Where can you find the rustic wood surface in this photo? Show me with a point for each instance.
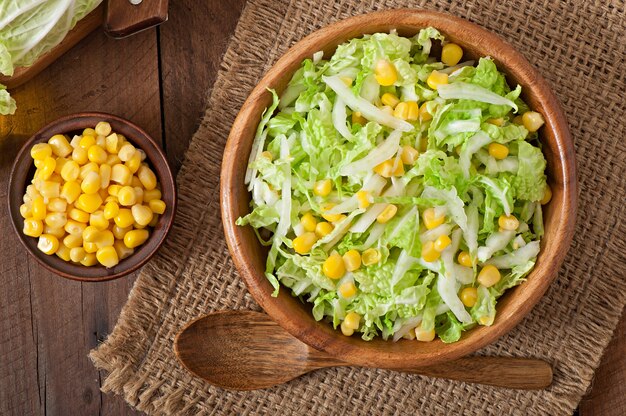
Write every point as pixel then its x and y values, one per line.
pixel 158 79
pixel 246 350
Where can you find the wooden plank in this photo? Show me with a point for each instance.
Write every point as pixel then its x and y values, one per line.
pixel 52 322
pixel 608 392
pixel 193 41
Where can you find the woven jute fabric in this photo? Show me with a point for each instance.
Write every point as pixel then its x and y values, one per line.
pixel 579 48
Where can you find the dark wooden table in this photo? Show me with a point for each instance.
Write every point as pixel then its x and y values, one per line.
pixel 159 79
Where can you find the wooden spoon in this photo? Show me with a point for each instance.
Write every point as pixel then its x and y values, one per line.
pixel 246 350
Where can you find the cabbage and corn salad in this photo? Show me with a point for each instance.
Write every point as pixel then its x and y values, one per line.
pixel 398 192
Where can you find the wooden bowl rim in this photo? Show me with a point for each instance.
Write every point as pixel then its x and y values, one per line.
pixel 347 348
pixel 159 165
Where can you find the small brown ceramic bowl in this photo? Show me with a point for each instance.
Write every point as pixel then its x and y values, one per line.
pixel 22 174
pixel 294 315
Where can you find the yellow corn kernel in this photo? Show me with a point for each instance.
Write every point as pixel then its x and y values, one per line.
pixel 429 253
pixel 489 275
pixel 33 227
pixel 134 163
pixel 352 260
pixel 352 320
pixel 124 218
pixel 345 330
pixel 386 168
pixel 138 194
pixel 142 214
pixel 98 220
pixel 47 169
pixel 267 155
pixel 346 80
pixel 498 151
pixel 103 128
pixel 48 244
pixel 147 178
pixel 468 296
pixel 41 151
pixel 451 54
pixel 304 242
pixel 436 78
pixel 401 111
pixel 70 171
pixel 388 213
pixel 364 199
pixel 89 202
pixel 442 242
pixel 158 207
pixel 409 155
pixel 465 259
pixel 79 155
pixel 97 154
pixel 113 160
pixel 38 164
pixel 113 190
pixel 385 73
pixel 424 115
pixel 508 222
pixel 89 260
pixel 532 121
pixel 105 239
pixel 126 196
pixel 409 335
pixel 333 267
pixel 55 231
pixel 59 163
pixel 331 217
pixel 323 228
pixel 55 177
pixel 120 174
pixel 496 121
pixel 77 254
pixel 63 253
pixel 88 167
pixel 79 215
pixel 87 141
pixel 32 191
pixel 26 211
pixel 119 232
pixel 126 152
pixel 357 118
pixel 135 238
pixel 90 247
pixel 308 221
pixel 322 187
pixel 89 132
pixel 414 111
pixel 389 99
pixel 121 249
pixel 547 195
pixel 432 219
pixel 105 175
pixel 73 240
pixel 60 146
pixel 75 228
pixel 370 256
pixel 70 191
pixel 387 110
pixel 90 234
pixel 111 143
pixel 91 183
pixel 135 182
pixel 39 209
pixel 155 221
pixel 424 335
pixel 107 256
pixel 347 289
pixel 111 209
pixel 56 219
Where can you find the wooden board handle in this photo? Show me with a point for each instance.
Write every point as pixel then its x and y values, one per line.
pixel 124 18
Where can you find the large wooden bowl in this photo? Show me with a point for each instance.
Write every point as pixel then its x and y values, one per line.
pixel 294 315
pixel 22 174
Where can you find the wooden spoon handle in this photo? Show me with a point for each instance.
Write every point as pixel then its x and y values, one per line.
pixel 124 18
pixel 512 373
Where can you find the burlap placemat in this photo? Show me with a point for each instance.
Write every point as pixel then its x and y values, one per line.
pixel 578 46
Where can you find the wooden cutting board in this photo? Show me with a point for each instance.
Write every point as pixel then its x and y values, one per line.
pixel 119 18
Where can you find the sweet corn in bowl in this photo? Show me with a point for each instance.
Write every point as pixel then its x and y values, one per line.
pixel 91 196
